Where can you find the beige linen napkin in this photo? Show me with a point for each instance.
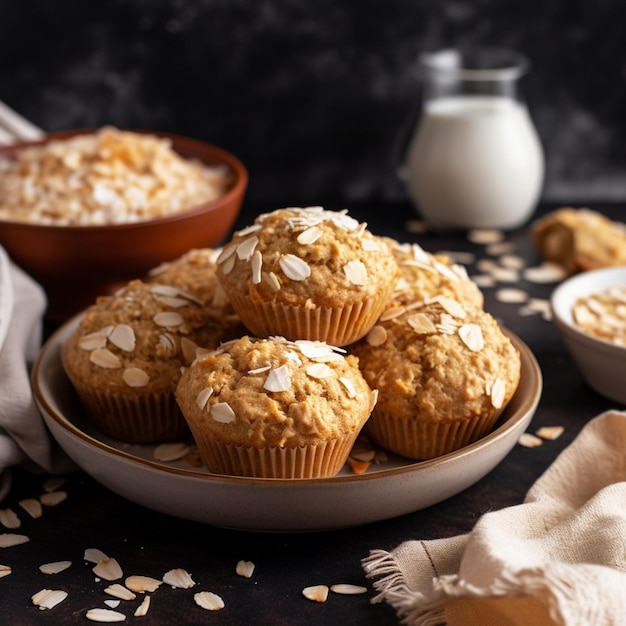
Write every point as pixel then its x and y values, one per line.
pixel 24 438
pixel 558 558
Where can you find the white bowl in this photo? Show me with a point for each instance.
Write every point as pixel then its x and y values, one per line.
pixel 601 363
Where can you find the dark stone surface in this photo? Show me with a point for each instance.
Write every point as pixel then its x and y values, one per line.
pixel 318 98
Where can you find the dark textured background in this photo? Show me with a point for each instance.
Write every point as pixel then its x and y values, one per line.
pixel 317 97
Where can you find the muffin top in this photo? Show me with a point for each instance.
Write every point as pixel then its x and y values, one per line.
pixel 140 337
pixel 307 257
pixel 425 275
pixel 195 272
pixel 274 392
pixel 439 361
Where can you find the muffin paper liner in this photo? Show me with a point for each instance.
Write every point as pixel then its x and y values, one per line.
pixel 336 326
pixel 149 418
pixel 426 440
pixel 324 459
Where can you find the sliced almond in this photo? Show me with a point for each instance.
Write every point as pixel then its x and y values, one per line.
pixel 208 600
pixel 109 569
pixel 5 570
pixel 203 397
pixel 483 236
pixel 8 540
pixel 92 341
pixel 511 296
pixel 142 609
pixel 178 578
pixel 9 518
pixel 53 498
pixel 246 248
pixel 421 324
pixel 135 377
pixel 105 616
pixel 93 555
pixel 48 598
pixel 376 336
pixel 316 593
pixel 348 386
pixel 256 264
pixel 119 591
pixel 498 391
pixel 550 432
pixel 244 568
pixel 294 267
pixel 32 507
pixel 171 451
pixel 168 319
pixel 310 235
pixel 279 379
pixel 223 413
pixel 123 336
pixel 55 567
pixel 142 584
pixel 451 306
pixel 472 336
pixel 345 589
pixel 529 440
pixel 356 272
pixel 319 370
pixel 104 358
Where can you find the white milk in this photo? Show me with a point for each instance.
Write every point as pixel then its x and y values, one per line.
pixel 475 162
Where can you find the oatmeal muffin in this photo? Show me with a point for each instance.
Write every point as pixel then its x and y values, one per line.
pixel 124 359
pixel 308 273
pixel 444 373
pixel 425 275
pixel 273 408
pixel 195 273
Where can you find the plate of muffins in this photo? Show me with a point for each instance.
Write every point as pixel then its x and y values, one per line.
pixel 307 375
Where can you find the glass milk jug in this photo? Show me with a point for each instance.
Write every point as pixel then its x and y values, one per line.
pixel 475 159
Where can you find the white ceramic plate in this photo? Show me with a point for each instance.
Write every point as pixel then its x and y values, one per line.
pixel 387 490
pixel 6 295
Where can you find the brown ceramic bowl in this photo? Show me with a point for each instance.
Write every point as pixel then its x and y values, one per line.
pixel 75 264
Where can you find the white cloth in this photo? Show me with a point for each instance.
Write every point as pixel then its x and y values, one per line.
pixel 557 559
pixel 24 438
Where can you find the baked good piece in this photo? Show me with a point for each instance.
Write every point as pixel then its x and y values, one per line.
pixel 425 275
pixel 444 373
pixel 274 408
pixel 307 273
pixel 580 239
pixel 195 273
pixel 125 356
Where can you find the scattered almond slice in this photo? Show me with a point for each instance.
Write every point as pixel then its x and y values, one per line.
pixel 245 569
pixel 346 589
pixel 294 267
pixel 529 440
pixel 142 584
pixel 356 272
pixel 550 432
pixel 32 507
pixel 5 570
pixel 171 451
pixel 53 483
pixel 471 335
pixel 498 391
pixel 105 615
pixel 178 578
pixel 112 604
pixel 316 593
pixel 93 555
pixel 53 498
pixel 119 591
pixel 168 319
pixel 511 296
pixel 142 609
pixel 484 236
pixel 208 600
pixel 223 413
pixel 55 567
pixel 8 540
pixel 48 598
pixel 9 518
pixel 109 569
pixel 135 377
pixel 547 272
pixel 279 379
pixel 103 357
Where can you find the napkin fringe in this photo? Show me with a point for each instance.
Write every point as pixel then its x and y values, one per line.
pixel 411 606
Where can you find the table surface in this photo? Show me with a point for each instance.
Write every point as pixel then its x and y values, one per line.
pixel 150 543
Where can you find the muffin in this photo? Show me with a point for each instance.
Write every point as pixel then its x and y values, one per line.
pixel 125 356
pixel 195 273
pixel 425 275
pixel 274 408
pixel 444 373
pixel 307 273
